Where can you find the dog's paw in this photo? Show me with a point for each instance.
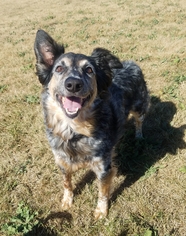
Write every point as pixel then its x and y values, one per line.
pixel 101 210
pixel 67 200
pixel 100 213
pixel 66 204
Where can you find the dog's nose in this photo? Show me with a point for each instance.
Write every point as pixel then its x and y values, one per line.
pixel 73 84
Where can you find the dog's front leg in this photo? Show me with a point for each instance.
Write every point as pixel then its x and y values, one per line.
pixel 104 185
pixel 67 184
pixel 68 192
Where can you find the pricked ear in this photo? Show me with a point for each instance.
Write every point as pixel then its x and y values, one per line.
pixel 105 62
pixel 46 51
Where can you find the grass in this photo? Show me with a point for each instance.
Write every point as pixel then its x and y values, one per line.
pixel 23 222
pixel 148 196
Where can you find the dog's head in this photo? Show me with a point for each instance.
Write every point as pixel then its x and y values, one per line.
pixel 73 80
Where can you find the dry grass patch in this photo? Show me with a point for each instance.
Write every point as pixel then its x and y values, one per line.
pixel 148 195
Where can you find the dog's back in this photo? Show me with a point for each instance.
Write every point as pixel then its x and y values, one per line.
pixel 131 81
pixel 129 94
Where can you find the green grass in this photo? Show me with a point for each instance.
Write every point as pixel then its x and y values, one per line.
pixel 148 195
pixel 22 223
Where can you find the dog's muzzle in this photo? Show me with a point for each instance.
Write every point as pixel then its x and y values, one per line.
pixel 73 85
pixel 73 103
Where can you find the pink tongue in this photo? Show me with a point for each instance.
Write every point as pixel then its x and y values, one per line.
pixel 72 104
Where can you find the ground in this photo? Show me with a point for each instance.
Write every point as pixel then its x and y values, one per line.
pixel 149 192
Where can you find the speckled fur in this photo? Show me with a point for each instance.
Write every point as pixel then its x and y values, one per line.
pixel 114 90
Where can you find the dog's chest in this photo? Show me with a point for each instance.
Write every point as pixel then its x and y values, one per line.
pixel 77 153
pixel 78 148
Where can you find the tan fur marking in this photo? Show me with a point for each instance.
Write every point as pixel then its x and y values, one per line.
pixel 67 61
pixel 70 167
pixel 52 85
pixel 53 82
pixel 68 193
pixel 63 164
pixel 104 194
pixel 84 127
pixel 67 184
pixel 67 181
pixel 138 123
pixel 105 184
pixel 57 120
pixel 81 63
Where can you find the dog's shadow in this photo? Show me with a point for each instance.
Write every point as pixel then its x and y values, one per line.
pixel 42 229
pixel 136 156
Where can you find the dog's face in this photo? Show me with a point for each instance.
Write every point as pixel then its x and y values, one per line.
pixel 73 80
pixel 73 83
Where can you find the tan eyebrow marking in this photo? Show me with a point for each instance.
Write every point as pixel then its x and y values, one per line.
pixel 82 62
pixel 67 61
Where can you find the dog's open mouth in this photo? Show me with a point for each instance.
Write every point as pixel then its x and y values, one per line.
pixel 71 105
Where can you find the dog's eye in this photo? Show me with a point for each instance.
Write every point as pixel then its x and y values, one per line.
pixel 89 70
pixel 59 69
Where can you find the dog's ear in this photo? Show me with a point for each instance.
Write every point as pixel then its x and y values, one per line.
pixel 46 51
pixel 104 57
pixel 105 63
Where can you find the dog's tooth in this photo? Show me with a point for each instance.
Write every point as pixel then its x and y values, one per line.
pixel 77 110
pixel 71 112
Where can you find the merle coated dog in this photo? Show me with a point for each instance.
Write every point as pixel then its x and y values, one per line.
pixel 86 102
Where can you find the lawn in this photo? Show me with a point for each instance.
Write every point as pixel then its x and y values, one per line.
pixel 149 192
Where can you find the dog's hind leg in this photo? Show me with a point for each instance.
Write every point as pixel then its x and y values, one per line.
pixel 138 123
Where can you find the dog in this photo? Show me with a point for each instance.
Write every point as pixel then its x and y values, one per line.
pixel 86 102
